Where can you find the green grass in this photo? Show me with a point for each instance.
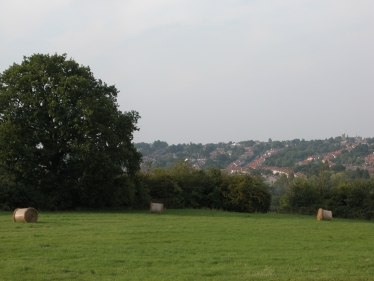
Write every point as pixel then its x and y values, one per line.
pixel 184 245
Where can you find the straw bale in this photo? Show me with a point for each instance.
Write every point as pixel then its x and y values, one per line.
pixel 25 215
pixel 324 215
pixel 157 207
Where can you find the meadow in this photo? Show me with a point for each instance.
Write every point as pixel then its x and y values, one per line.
pixel 184 245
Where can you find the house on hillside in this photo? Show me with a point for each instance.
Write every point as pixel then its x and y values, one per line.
pixel 369 160
pixel 257 162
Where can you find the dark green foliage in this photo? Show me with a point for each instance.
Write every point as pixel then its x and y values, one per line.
pixel 277 144
pixel 223 160
pixel 216 184
pixel 182 186
pixel 210 147
pixel 159 145
pixel 178 187
pixel 176 148
pixel 370 141
pixel 277 190
pixel 308 169
pixel 236 152
pixel 62 136
pixel 13 194
pixel 338 168
pixel 355 156
pixel 146 148
pixel 300 150
pixel 249 143
pixel 247 194
pixel 346 198
pixel 360 174
pixel 304 197
pixel 353 200
pixel 211 164
pixel 225 153
pixel 357 174
pixel 192 183
pixel 261 148
pixel 163 188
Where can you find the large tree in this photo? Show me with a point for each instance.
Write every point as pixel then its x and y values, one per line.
pixel 62 134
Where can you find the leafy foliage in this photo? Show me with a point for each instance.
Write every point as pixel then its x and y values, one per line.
pixel 62 136
pixel 346 197
pixel 182 186
pixel 355 156
pixel 247 194
pixel 300 150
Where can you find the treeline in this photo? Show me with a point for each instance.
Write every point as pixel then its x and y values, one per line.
pixel 299 150
pixel 181 186
pixel 146 148
pixel 355 156
pixel 185 187
pixel 312 169
pixel 167 155
pixel 289 153
pixel 347 195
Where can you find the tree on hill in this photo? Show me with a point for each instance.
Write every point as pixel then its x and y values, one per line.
pixel 249 143
pixel 62 135
pixel 159 145
pixel 144 148
pixel 355 156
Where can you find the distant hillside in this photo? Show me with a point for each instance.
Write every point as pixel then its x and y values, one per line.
pixel 292 156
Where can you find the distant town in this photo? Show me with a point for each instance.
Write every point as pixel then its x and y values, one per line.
pixel 270 159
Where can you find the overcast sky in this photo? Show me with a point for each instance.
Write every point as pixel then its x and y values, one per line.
pixel 210 71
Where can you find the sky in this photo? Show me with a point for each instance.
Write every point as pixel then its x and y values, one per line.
pixel 209 71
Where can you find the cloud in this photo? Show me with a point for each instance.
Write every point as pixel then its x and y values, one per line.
pixel 94 28
pixel 213 63
pixel 19 19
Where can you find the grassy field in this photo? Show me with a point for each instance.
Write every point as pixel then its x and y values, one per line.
pixel 184 245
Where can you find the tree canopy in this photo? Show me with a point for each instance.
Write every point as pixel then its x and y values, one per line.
pixel 62 135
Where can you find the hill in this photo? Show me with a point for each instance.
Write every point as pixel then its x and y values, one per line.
pixel 298 157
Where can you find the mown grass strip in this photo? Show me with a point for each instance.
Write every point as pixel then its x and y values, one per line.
pixel 184 245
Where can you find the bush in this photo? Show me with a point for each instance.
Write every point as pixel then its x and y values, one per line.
pixel 163 188
pixel 182 186
pixel 247 194
pixel 353 200
pixel 301 197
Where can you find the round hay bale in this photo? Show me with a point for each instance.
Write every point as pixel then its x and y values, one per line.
pixel 157 207
pixel 25 215
pixel 324 215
